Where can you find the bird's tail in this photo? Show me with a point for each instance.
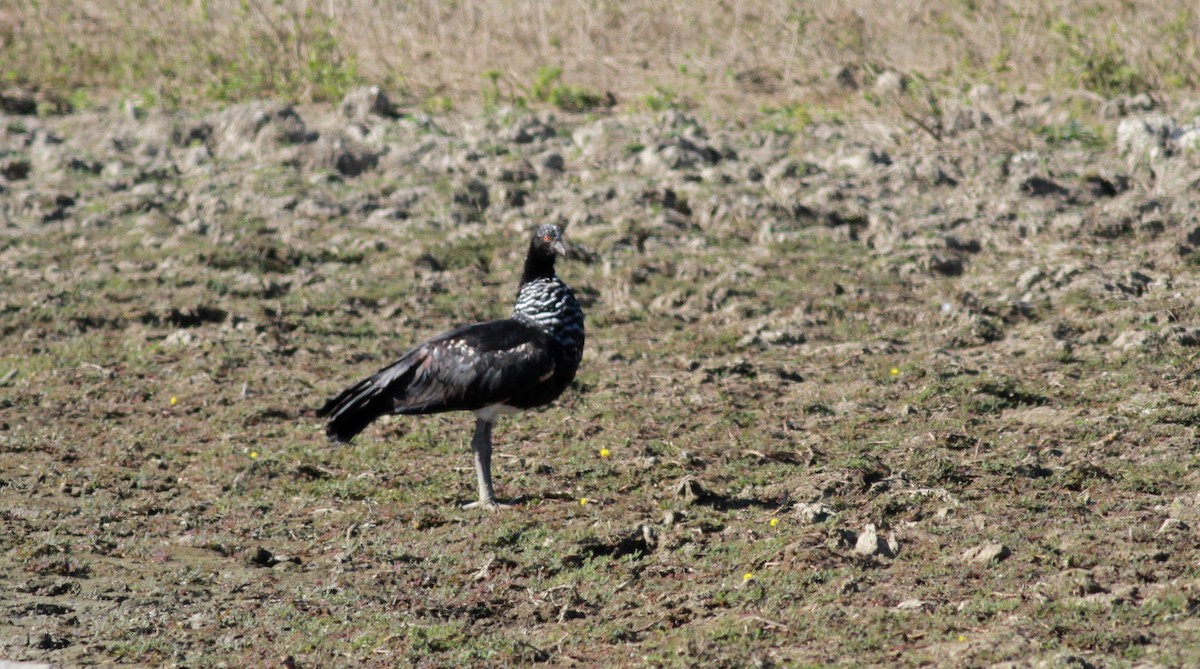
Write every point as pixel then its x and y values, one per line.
pixel 360 404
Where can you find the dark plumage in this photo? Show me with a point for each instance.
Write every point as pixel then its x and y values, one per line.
pixel 492 369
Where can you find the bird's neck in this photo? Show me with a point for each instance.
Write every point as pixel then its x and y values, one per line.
pixel 537 266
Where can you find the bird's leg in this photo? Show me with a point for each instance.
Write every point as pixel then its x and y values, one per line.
pixel 481 446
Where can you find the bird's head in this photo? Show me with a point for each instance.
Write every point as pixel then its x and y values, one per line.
pixel 547 245
pixel 548 239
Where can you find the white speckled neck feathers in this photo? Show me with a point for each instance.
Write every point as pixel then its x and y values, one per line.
pixel 549 305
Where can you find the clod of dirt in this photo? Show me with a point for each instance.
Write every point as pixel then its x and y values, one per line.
pixel 527 653
pixel 1148 136
pixel 671 517
pixel 532 129
pixel 186 318
pixel 263 558
pixel 255 128
pixel 991 553
pixel 739 367
pixel 474 195
pixel 690 490
pixel 761 336
pixel 49 641
pixel 946 265
pixel 639 541
pixel 1171 525
pixel 869 543
pixel 1041 187
pixel 815 512
pixel 338 152
pixel 15 169
pixel 551 162
pixel 18 101
pixel 361 104
pixel 1136 340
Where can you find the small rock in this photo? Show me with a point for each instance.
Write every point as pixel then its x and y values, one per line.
pixel 180 339
pixel 815 512
pixel 649 536
pixel 913 605
pixel 870 543
pixel 987 554
pixel 889 84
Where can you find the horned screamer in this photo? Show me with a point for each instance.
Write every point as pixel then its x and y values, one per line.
pixel 492 369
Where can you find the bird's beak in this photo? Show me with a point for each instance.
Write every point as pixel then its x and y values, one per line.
pixel 559 247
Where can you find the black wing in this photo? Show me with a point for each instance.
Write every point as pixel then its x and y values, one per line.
pixel 468 368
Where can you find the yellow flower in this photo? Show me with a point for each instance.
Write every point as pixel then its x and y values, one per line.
pixel 747 576
pixel 174 400
pixel 962 637
pixel 895 371
pixel 253 455
pixel 774 522
pixel 583 501
pixel 604 452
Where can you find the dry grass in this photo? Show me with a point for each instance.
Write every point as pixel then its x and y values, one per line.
pixel 724 54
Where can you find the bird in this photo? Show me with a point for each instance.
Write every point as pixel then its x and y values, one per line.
pixel 492 369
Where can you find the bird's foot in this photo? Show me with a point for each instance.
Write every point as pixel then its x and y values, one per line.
pixel 488 504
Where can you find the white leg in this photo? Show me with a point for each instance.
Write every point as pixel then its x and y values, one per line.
pixel 481 447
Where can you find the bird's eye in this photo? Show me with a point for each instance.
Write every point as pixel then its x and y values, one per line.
pixel 547 238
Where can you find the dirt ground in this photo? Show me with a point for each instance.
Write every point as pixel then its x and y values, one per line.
pixel 856 393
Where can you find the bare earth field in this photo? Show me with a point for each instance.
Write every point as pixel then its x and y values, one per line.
pixel 869 393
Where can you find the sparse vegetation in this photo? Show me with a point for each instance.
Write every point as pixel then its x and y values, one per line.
pixel 548 87
pixel 876 375
pixel 230 50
